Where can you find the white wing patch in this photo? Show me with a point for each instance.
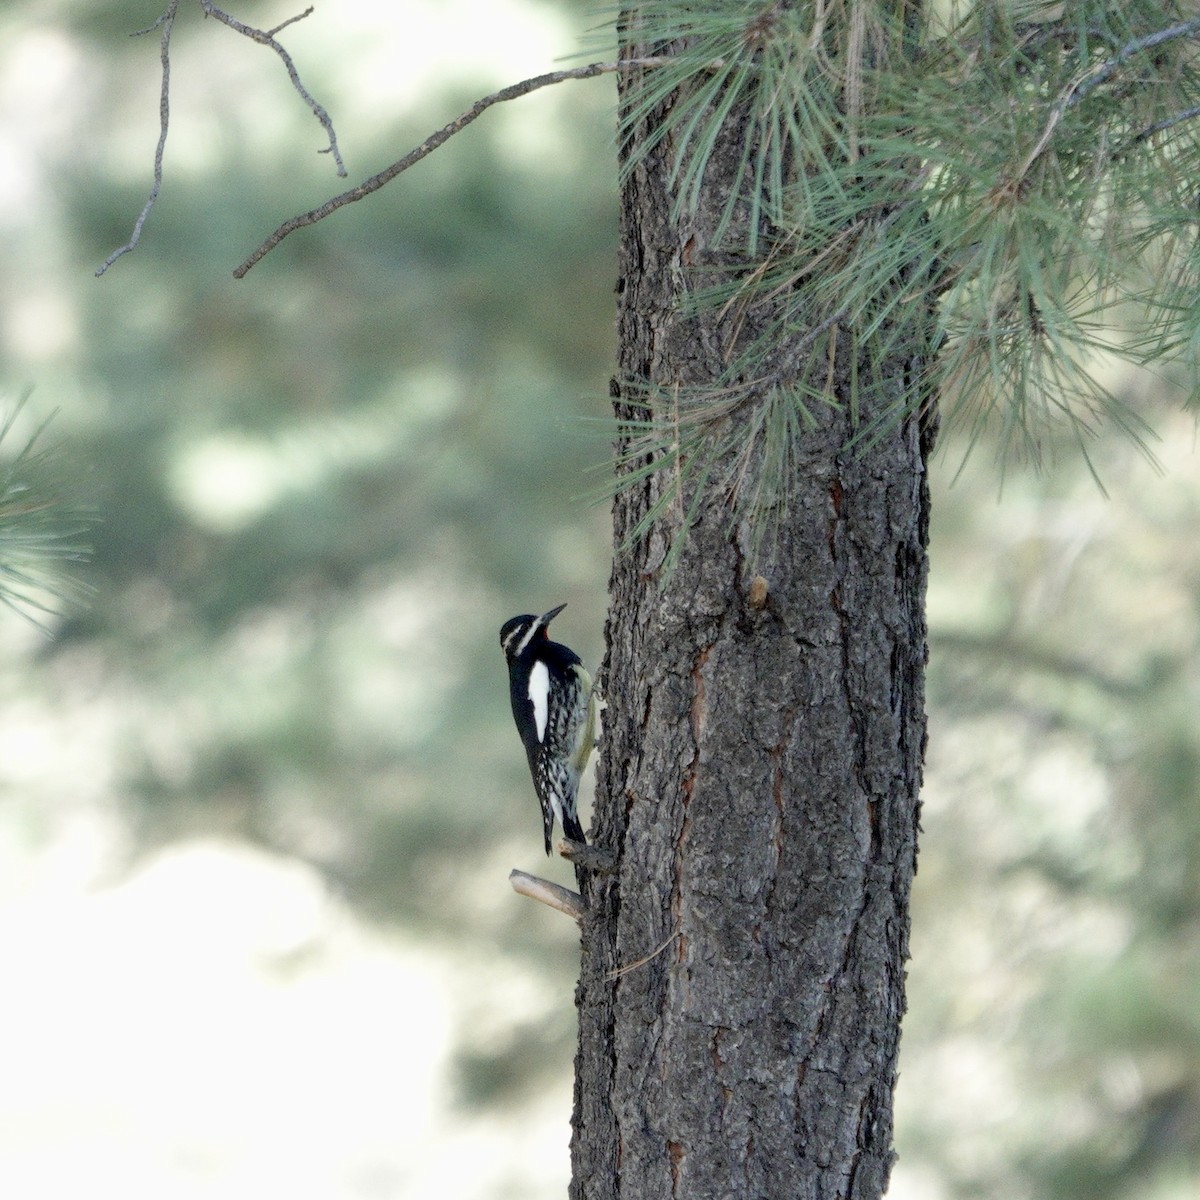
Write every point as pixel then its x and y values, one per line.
pixel 539 695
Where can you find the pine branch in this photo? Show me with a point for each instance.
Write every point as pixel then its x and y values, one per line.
pixel 1100 74
pixel 1105 70
pixel 430 144
pixel 1146 134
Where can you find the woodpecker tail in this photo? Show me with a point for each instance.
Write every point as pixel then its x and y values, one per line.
pixel 573 829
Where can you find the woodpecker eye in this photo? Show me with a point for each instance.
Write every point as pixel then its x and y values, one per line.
pixel 510 632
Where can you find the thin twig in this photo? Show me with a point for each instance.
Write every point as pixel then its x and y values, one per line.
pixel 265 37
pixel 290 21
pixel 625 968
pixel 164 120
pixel 1095 76
pixel 1158 126
pixel 155 24
pixel 430 144
pixel 545 892
pixel 1127 51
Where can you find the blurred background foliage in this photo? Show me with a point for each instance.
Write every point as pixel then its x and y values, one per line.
pixel 259 797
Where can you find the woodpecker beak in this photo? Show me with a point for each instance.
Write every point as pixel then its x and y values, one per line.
pixel 545 619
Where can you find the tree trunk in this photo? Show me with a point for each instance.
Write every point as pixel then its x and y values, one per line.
pixel 743 971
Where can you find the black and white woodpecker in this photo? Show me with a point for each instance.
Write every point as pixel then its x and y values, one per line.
pixel 555 712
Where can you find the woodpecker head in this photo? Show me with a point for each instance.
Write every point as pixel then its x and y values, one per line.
pixel 519 633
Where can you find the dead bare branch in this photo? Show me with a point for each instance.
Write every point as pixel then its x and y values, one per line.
pixel 431 143
pixel 265 37
pixel 166 21
pixel 551 894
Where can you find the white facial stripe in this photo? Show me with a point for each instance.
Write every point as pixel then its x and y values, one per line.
pixel 539 695
pixel 508 640
pixel 534 626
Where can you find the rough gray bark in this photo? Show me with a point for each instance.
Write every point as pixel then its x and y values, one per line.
pixel 743 971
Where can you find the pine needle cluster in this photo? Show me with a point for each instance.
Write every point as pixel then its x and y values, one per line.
pixel 1014 182
pixel 40 537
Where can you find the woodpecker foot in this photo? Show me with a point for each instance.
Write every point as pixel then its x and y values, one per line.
pixel 545 892
pixel 600 860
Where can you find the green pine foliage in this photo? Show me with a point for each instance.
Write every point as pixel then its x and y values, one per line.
pixel 40 537
pixel 1023 167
